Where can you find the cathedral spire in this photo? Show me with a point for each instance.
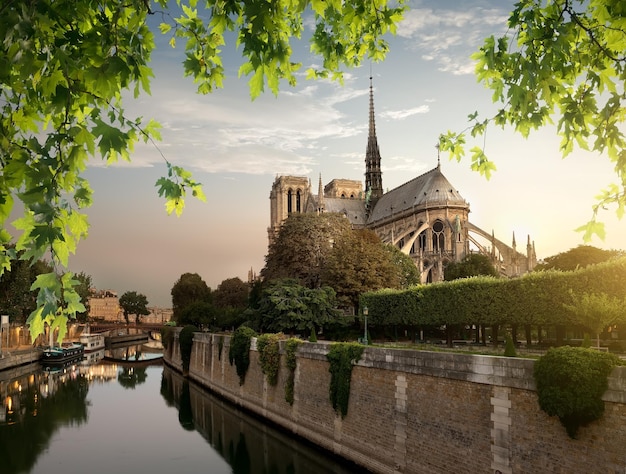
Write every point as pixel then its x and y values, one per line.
pixel 320 197
pixel 373 173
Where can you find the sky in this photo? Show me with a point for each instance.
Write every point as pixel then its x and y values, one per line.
pixel 236 147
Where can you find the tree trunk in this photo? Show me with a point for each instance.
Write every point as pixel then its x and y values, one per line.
pixel 529 336
pixel 494 335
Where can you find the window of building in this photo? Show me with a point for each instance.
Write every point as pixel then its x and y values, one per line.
pixel 298 208
pixel 439 239
pixel 289 204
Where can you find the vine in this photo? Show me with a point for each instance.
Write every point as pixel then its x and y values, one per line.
pixel 269 355
pixel 291 347
pixel 240 351
pixel 185 341
pixel 220 346
pixel 167 337
pixel 570 384
pixel 342 356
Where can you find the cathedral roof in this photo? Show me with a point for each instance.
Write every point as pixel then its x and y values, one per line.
pixel 353 209
pixel 430 190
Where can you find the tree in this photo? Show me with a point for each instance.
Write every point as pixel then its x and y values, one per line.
pixel 302 247
pixel 288 306
pixel 360 262
pixel 596 311
pixel 231 293
pixel 135 303
pixel 473 264
pixel 16 298
pixel 84 291
pixel 578 257
pixel 198 313
pixel 563 61
pixel 189 288
pixel 64 66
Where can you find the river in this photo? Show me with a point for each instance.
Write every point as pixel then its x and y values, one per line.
pixel 103 418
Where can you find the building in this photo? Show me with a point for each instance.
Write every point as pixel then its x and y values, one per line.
pixel 426 217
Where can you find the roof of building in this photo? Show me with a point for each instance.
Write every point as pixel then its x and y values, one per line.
pixel 353 209
pixel 429 190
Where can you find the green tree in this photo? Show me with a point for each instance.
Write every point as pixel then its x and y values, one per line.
pixel 65 66
pixel 231 293
pixel 135 303
pixel 84 291
pixel 578 257
pixel 560 61
pixel 473 264
pixel 302 247
pixel 189 288
pixel 360 262
pixel 16 298
pixel 198 313
pixel 288 306
pixel 596 311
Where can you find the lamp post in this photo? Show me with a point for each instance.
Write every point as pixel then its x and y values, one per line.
pixel 365 313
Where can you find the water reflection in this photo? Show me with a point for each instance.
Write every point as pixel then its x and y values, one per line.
pixel 109 417
pixel 35 406
pixel 245 442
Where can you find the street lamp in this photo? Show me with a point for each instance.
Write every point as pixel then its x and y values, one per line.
pixel 365 313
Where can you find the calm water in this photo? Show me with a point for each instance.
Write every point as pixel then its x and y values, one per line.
pixel 106 418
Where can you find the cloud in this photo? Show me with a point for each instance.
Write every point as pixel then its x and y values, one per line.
pixel 402 114
pixel 449 37
pixel 226 132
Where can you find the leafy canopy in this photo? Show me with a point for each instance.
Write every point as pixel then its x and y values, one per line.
pixel 561 61
pixel 65 65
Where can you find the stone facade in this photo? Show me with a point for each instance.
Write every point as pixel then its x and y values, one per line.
pixel 425 217
pixel 421 412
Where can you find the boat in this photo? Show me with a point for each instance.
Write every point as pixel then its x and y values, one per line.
pixel 63 353
pixel 92 342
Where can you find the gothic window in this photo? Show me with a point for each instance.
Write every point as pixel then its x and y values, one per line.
pixel 289 203
pixel 439 239
pixel 298 208
pixel 421 240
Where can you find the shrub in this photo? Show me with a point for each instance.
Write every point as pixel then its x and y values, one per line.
pixel 586 341
pixel 220 346
pixel 313 336
pixel 240 351
pixel 570 384
pixel 269 356
pixel 185 341
pixel 167 337
pixel 291 347
pixel 509 347
pixel 342 356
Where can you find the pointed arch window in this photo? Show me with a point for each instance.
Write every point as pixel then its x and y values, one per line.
pixel 289 202
pixel 298 202
pixel 439 239
pixel 421 239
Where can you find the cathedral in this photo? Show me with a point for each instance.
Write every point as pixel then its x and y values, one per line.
pixel 426 217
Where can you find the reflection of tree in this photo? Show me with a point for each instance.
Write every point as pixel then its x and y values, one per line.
pixel 130 377
pixel 240 456
pixel 21 443
pixel 167 389
pixel 185 413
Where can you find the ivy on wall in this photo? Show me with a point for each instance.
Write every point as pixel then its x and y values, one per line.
pixel 570 384
pixel 341 357
pixel 220 346
pixel 291 347
pixel 239 353
pixel 185 341
pixel 269 355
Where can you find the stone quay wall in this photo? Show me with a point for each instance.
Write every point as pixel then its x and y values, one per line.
pixel 420 412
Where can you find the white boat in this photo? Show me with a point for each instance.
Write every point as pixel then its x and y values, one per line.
pixel 92 342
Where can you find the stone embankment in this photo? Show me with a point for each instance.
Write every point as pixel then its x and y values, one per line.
pixel 19 357
pixel 420 412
